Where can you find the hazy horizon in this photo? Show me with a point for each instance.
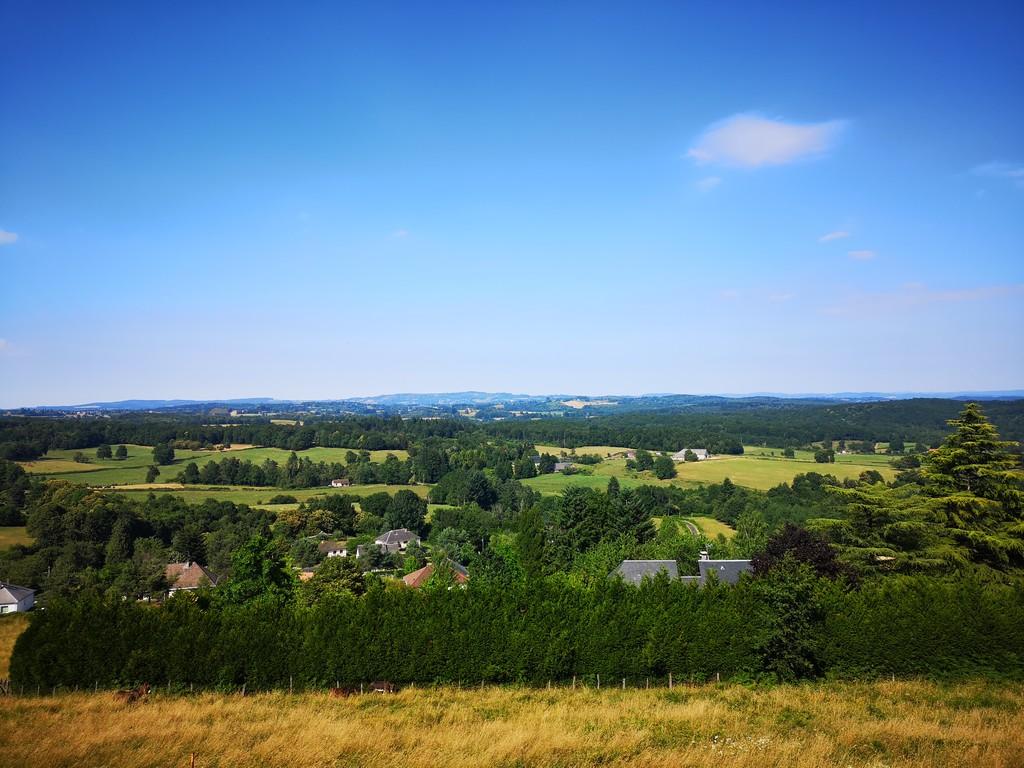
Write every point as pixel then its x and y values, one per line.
pixel 345 201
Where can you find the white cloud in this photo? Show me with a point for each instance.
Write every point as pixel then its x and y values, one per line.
pixel 837 235
pixel 400 234
pixel 778 298
pixel 6 238
pixel 1009 171
pixel 863 255
pixel 708 183
pixel 729 294
pixel 751 141
pixel 918 294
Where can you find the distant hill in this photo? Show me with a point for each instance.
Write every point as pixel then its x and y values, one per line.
pixel 500 404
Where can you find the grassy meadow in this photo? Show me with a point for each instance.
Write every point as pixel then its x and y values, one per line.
pixel 132 470
pixel 13 534
pixel 893 724
pixel 258 497
pixel 756 468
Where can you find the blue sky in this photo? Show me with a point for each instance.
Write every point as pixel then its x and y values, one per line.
pixel 327 201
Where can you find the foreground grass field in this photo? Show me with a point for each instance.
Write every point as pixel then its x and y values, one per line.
pixel 900 724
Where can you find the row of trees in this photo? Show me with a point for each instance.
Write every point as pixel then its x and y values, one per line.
pixel 787 624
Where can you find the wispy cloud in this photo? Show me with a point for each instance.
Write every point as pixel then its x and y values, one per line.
pixel 1009 171
pixel 729 294
pixel 752 141
pixel 862 255
pixel 779 298
pixel 400 234
pixel 916 295
pixel 6 238
pixel 708 183
pixel 839 234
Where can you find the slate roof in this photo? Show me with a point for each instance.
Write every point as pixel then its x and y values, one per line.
pixel 727 571
pixel 417 579
pixel 397 536
pixel 188 576
pixel 633 571
pixel 11 594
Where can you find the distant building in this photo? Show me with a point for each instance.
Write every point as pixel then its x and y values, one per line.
pixel 305 574
pixel 724 571
pixel 187 576
pixel 417 579
pixel 397 540
pixel 15 599
pixel 341 482
pixel 333 548
pixel 561 466
pixel 700 453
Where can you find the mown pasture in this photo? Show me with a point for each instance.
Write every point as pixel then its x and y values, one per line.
pixel 60 465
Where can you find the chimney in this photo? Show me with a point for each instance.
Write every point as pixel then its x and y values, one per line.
pixel 703 554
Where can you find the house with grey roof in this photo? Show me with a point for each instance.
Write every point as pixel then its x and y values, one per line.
pixel 634 571
pixel 397 540
pixel 723 571
pixel 14 599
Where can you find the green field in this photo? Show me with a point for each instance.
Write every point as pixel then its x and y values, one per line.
pixel 60 466
pixel 11 535
pixel 258 497
pixel 756 468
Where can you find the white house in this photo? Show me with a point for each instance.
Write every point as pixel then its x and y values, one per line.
pixel 341 482
pixel 14 598
pixel 700 453
pixel 333 548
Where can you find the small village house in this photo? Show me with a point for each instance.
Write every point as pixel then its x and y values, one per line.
pixel 15 599
pixel 187 576
pixel 419 578
pixel 333 548
pixel 341 482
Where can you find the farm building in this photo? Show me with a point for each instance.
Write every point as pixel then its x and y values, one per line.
pixel 419 578
pixel 341 482
pixel 561 466
pixel 397 540
pixel 14 599
pixel 187 576
pixel 700 453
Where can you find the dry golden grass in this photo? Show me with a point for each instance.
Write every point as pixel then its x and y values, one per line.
pixel 11 625
pixel 880 724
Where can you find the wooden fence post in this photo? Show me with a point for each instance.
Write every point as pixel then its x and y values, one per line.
pixel 623 683
pixel 574 682
pixel 599 682
pixel 670 681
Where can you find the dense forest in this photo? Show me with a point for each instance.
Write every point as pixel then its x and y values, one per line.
pixel 723 431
